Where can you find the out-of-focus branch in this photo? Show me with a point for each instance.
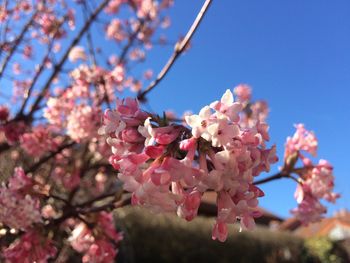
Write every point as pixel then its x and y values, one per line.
pixel 271 178
pixel 88 36
pixel 44 159
pixel 179 48
pixel 59 65
pixel 131 41
pixel 40 70
pixel 277 176
pixel 16 43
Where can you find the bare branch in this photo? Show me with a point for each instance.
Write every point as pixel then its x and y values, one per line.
pixel 59 66
pixel 40 70
pixel 16 43
pixel 43 160
pixel 179 48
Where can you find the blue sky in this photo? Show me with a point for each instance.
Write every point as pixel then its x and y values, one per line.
pixel 295 55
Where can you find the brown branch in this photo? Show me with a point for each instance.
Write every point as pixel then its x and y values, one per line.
pixel 43 160
pixel 277 176
pixel 131 40
pixel 59 66
pixel 271 178
pixel 40 70
pixel 16 43
pixel 178 50
pixel 88 36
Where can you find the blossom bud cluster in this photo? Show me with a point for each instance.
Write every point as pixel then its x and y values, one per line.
pixel 168 167
pixel 18 210
pixel 98 245
pixel 316 180
pixel 30 247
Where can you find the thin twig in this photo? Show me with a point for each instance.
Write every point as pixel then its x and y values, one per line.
pixel 40 70
pixel 43 160
pixel 277 176
pixel 131 40
pixel 16 43
pixel 59 66
pixel 178 50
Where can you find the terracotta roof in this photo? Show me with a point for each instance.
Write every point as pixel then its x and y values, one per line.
pixel 208 208
pixel 318 229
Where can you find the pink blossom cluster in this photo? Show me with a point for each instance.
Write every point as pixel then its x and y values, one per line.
pixel 30 247
pixel 77 53
pixel 19 210
pixel 302 140
pixel 13 131
pixel 82 122
pixel 253 111
pixel 168 167
pixel 98 245
pixel 4 113
pixel 316 180
pixel 39 141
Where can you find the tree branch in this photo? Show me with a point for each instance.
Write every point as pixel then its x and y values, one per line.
pixel 40 70
pixel 16 43
pixel 59 66
pixel 178 49
pixel 43 160
pixel 277 176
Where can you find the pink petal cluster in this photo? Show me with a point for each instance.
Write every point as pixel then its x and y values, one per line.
pixel 243 93
pixel 168 167
pixel 13 131
pixel 18 209
pixel 316 181
pixel 82 122
pixel 115 30
pixel 4 113
pixel 302 140
pixel 50 25
pixel 98 246
pixel 39 141
pixel 77 53
pixel 30 247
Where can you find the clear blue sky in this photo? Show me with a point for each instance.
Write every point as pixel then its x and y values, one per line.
pixel 295 54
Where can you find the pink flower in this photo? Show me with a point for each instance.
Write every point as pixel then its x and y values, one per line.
pixel 101 251
pixel 221 133
pixel 82 122
pixel 113 6
pixel 18 209
pixel 199 123
pixel 20 181
pixel 30 247
pixel 39 141
pixel 77 53
pixel 302 140
pixel 309 209
pixel 227 107
pixel 118 74
pixel 220 231
pixel 81 238
pixel 13 131
pixel 4 113
pixel 320 180
pixel 115 30
pixel 113 123
pixel 243 93
pixel 16 68
pixel 97 246
pixel 162 171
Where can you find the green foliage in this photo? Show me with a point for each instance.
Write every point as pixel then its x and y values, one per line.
pixel 167 238
pixel 324 249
